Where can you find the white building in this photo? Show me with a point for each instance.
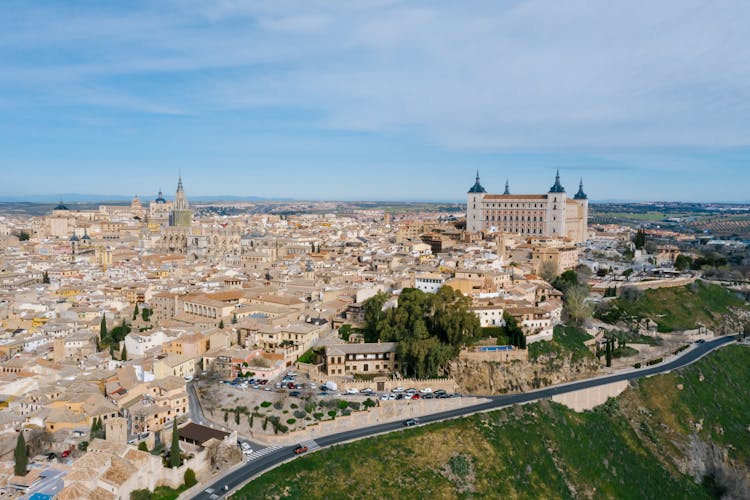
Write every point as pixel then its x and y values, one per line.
pixel 551 214
pixel 429 282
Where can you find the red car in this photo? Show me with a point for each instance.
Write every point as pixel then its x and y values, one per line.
pixel 300 449
pixel 416 396
pixel 65 454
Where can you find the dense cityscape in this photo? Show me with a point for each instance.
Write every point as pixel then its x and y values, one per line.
pixel 146 347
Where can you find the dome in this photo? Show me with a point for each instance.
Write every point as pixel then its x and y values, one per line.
pixel 74 238
pixel 60 206
pixel 160 198
pixel 477 187
pixel 557 187
pixel 580 195
pixel 85 236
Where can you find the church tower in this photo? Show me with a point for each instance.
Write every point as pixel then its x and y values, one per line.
pixel 556 204
pixel 181 215
pixel 474 209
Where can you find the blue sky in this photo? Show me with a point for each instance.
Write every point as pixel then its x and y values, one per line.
pixel 376 99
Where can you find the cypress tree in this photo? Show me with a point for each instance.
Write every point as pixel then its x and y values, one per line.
pixel 124 355
pixel 103 330
pixel 221 324
pixel 174 451
pixel 234 318
pixel 45 278
pixel 21 456
pixel 135 311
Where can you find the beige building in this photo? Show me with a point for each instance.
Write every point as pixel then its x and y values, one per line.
pixel 551 214
pixel 373 358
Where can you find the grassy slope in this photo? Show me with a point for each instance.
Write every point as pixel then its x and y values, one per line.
pixel 720 401
pixel 682 308
pixel 541 450
pixel 566 339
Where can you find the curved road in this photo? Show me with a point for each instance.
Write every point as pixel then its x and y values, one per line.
pixel 243 474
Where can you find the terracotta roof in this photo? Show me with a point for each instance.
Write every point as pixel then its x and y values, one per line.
pixel 200 433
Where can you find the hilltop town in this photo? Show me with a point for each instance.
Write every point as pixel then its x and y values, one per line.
pixel 159 344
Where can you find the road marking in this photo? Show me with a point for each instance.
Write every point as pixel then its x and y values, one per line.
pixel 311 445
pixel 261 453
pixel 214 496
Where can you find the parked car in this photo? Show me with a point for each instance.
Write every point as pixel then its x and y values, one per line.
pixel 300 449
pixel 294 394
pixel 400 396
pixel 428 396
pixel 65 454
pixel 51 456
pixel 700 341
pixel 440 392
pixel 411 422
pixel 391 396
pixel 384 397
pixel 426 390
pixel 411 390
pixel 366 390
pixel 245 446
pixel 398 389
pixel 415 396
pixel 313 385
pixel 352 390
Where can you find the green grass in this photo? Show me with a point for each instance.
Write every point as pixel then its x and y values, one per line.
pixel 678 308
pixel 627 448
pixel 565 340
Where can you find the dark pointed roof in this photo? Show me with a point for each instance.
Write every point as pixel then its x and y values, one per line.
pixel 477 187
pixel 74 237
pixel 557 187
pixel 580 195
pixel 60 206
pixel 160 198
pixel 507 187
pixel 85 235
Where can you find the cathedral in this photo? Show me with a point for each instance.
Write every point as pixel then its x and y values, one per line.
pixel 180 235
pixel 551 214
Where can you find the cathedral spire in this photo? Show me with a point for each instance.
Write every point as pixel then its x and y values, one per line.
pixel 507 187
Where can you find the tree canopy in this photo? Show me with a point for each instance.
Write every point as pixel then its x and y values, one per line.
pixel 430 328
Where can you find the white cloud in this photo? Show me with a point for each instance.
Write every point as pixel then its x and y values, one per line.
pixel 471 75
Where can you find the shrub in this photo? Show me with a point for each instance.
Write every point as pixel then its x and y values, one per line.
pixel 300 414
pixel 637 365
pixel 332 413
pixel 369 403
pixel 291 421
pixel 293 406
pixel 355 405
pixel 343 405
pixel 310 407
pixel 317 416
pixel 654 361
pixel 140 495
pixel 266 404
pixel 278 405
pixel 142 446
pixel 189 478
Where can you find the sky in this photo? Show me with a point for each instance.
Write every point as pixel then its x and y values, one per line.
pixel 376 99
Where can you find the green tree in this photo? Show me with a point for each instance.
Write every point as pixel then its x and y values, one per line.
pixel 221 324
pixel 374 314
pixel 189 478
pixel 565 281
pixel 135 311
pixel 142 494
pixel 576 307
pixel 142 446
pixel 103 335
pixel 175 460
pixel 234 318
pixel 640 239
pixel 21 456
pixel 609 352
pixel 22 236
pixel 124 356
pixel 45 277
pixel 548 271
pixel 683 262
pixel 83 446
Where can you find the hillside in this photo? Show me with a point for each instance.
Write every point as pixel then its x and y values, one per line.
pixel 679 308
pixel 644 444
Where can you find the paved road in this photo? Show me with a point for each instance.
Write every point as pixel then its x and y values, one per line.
pixel 257 466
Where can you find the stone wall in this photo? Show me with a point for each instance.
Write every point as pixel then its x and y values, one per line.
pixel 587 399
pixel 498 356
